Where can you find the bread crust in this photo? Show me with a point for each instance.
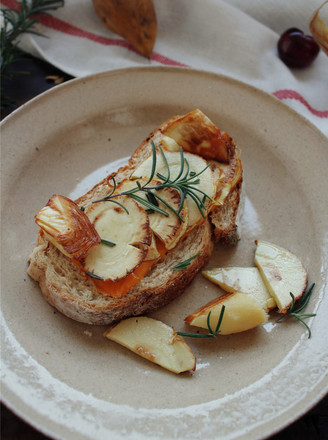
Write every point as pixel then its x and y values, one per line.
pixel 69 291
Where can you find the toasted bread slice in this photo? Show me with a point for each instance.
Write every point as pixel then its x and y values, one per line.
pixel 66 288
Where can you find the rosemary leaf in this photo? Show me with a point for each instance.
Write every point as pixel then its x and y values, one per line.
pixel 166 179
pixel 153 168
pixel 198 202
pixel 147 204
pixel 96 277
pixel 177 213
pixel 16 22
pixel 151 198
pixel 195 335
pixel 182 196
pixel 295 309
pixel 114 185
pixel 182 162
pixel 116 203
pixel 187 171
pixel 108 243
pixel 197 174
pixel 304 300
pixel 184 264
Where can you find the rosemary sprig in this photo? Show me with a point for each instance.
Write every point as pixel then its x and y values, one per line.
pixel 296 307
pixel 185 182
pixel 211 333
pixel 15 23
pixel 184 264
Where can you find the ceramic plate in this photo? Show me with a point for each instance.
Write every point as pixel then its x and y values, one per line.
pixel 69 381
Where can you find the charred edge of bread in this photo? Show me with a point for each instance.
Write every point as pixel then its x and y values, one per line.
pixel 224 218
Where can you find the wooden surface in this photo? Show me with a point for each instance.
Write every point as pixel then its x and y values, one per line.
pixel 22 88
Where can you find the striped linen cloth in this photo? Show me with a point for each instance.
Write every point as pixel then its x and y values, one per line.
pixel 236 38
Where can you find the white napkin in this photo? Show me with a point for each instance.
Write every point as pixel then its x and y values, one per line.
pixel 238 41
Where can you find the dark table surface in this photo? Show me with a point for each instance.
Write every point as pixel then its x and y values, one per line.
pixel 20 89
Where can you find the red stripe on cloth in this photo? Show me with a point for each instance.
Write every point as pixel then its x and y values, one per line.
pixel 291 94
pixel 66 28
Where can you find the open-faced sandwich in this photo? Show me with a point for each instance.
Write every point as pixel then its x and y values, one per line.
pixel 137 239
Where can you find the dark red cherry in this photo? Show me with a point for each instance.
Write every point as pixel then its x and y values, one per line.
pixel 296 49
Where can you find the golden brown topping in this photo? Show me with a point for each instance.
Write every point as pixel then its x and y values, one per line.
pixel 67 226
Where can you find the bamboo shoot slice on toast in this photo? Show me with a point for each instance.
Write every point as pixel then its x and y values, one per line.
pixel 67 227
pixel 168 228
pixel 197 134
pixel 170 167
pixel 128 231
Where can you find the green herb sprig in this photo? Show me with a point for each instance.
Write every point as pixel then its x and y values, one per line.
pixel 296 307
pixel 96 277
pixel 184 183
pixel 184 264
pixel 108 243
pixel 211 333
pixel 15 23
